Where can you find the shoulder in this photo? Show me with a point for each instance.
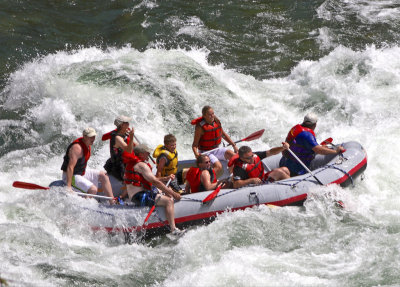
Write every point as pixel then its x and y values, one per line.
pixel 261 154
pixel 307 137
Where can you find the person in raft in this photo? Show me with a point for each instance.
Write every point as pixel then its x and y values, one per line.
pixel 249 169
pixel 74 168
pixel 140 180
pixel 167 162
pixel 303 143
pixel 208 134
pixel 121 139
pixel 203 177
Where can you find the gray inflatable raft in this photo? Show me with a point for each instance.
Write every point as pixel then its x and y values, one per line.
pixel 329 169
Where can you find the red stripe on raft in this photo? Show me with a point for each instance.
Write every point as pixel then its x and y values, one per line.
pixel 206 215
pixel 351 172
pixel 199 216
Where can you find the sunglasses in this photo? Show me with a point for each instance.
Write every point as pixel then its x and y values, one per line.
pixel 247 157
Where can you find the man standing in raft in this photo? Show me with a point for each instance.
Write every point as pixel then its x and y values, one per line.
pixel 303 143
pixel 139 180
pixel 121 139
pixel 74 168
pixel 208 134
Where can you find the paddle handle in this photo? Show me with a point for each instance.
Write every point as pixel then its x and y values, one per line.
pixel 306 168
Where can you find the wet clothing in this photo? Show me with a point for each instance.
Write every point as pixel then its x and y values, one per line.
pixel 212 134
pixel 301 140
pixel 193 178
pixel 80 166
pixel 84 182
pixel 145 198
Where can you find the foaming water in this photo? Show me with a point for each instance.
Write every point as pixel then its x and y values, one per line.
pixel 45 234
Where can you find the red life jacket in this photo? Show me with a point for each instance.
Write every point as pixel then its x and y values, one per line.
pixel 193 177
pixel 295 131
pixel 80 166
pixel 131 176
pixel 212 134
pixel 299 150
pixel 253 170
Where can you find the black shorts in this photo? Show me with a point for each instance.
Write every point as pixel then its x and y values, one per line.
pixel 145 198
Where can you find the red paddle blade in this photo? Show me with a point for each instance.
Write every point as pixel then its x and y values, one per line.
pixel 254 136
pixel 27 185
pixel 148 215
pixel 213 194
pixel 327 141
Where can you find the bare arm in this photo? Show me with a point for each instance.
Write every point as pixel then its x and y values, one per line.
pixel 319 149
pixel 74 154
pixel 120 143
pixel 145 171
pixel 206 180
pixel 160 166
pixel 279 149
pixel 198 132
pixel 242 182
pixel 187 187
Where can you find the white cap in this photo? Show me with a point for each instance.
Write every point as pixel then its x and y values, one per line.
pixel 89 132
pixel 121 119
pixel 310 118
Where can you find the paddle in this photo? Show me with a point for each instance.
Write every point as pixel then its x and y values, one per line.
pixel 27 185
pixel 327 141
pixel 251 137
pixel 153 207
pixel 306 168
pixel 213 194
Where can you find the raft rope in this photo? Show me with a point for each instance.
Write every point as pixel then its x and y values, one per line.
pixel 292 185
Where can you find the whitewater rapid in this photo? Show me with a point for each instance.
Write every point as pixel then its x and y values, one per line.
pixel 44 238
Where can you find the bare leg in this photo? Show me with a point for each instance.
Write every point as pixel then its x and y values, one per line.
pixel 228 155
pixel 106 185
pixel 168 203
pixel 218 168
pixel 280 173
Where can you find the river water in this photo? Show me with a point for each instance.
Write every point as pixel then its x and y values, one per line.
pixel 66 65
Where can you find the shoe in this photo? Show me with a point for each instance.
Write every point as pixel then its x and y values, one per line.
pixel 176 233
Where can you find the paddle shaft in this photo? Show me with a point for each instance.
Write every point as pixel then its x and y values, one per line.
pixel 27 185
pixel 251 137
pixel 306 168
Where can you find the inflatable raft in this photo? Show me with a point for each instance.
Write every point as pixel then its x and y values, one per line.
pixel 340 169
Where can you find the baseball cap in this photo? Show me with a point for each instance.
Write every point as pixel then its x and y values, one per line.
pixel 89 132
pixel 311 118
pixel 121 119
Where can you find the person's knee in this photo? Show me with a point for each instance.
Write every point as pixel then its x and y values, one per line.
pixel 92 190
pixel 229 154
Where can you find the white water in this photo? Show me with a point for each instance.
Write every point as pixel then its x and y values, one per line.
pixel 43 236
